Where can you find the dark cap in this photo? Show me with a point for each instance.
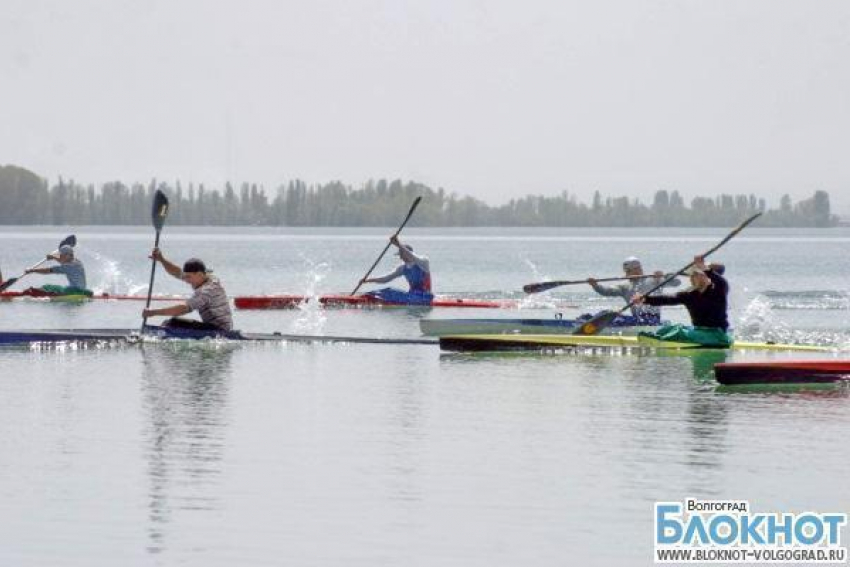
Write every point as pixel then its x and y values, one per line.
pixel 194 265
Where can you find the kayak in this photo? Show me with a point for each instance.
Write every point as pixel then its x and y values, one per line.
pixel 342 300
pixel 782 372
pixel 44 336
pixel 32 336
pixel 495 343
pixel 171 333
pixel 444 327
pixel 63 298
pixel 80 297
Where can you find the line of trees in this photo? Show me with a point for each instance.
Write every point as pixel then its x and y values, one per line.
pixel 26 198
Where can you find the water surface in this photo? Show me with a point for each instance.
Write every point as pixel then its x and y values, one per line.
pixel 294 454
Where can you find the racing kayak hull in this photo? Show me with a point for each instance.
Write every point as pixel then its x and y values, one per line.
pixel 356 301
pixel 51 336
pixel 782 372
pixel 454 327
pixel 497 343
pixel 79 297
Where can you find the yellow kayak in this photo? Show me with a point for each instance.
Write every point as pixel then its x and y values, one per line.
pixel 469 343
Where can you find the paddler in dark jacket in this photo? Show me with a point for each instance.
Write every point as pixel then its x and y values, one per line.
pixel 706 303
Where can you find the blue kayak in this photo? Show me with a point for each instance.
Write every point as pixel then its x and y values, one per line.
pixel 52 336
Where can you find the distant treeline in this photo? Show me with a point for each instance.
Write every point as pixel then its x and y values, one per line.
pixel 26 198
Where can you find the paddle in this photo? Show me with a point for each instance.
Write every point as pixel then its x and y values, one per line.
pixel 387 247
pixel 70 240
pixel 158 214
pixel 544 286
pixel 604 319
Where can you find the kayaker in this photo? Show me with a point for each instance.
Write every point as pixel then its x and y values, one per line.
pixel 706 303
pixel 415 269
pixel 209 298
pixel 71 267
pixel 641 314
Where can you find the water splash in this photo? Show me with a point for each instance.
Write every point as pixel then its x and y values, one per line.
pixel 809 299
pixel 535 272
pixel 758 323
pixel 311 317
pixel 544 300
pixel 112 280
pixel 539 301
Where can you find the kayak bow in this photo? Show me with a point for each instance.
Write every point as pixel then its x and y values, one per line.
pixel 782 372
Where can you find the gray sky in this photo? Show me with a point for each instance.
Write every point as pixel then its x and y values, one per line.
pixel 490 98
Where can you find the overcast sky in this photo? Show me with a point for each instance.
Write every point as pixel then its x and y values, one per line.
pixel 490 98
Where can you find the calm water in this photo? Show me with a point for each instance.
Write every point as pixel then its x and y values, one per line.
pixel 218 454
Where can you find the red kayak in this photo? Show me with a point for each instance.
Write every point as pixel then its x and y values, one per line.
pixel 782 372
pixel 292 301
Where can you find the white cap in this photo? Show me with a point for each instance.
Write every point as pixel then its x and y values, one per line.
pixel 631 263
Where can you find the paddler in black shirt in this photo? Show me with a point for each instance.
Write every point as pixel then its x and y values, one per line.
pixel 706 303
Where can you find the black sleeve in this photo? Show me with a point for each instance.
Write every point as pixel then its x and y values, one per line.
pixel 656 300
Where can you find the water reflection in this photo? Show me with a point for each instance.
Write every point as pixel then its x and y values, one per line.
pixel 703 363
pixel 707 420
pixel 406 438
pixel 812 391
pixel 185 389
pixel 649 408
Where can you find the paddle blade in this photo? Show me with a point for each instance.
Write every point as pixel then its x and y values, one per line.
pixel 160 210
pixel 70 240
pixel 540 287
pixel 596 324
pixel 8 283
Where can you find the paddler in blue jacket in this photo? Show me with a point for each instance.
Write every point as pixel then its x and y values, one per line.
pixel 707 304
pixel 415 269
